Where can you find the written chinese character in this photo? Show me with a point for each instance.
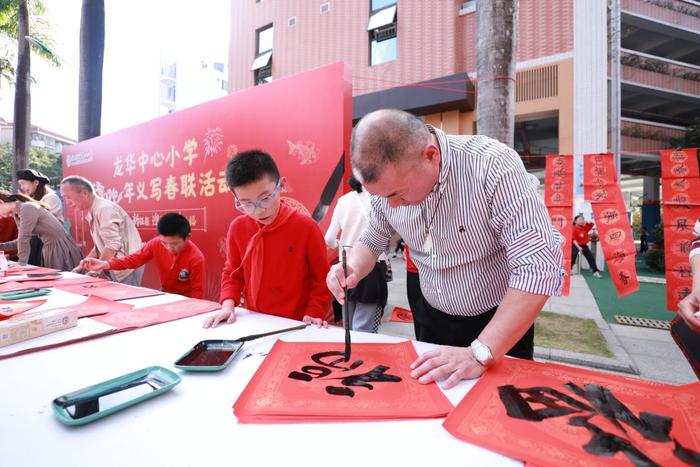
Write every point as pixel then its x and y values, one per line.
pixel 171 188
pixel 171 156
pixel 324 368
pixel 140 191
pixel 221 181
pixel 130 163
pixel 206 184
pixel 118 167
pixel 187 186
pixel 128 192
pixel 143 161
pixel 155 188
pixel 189 149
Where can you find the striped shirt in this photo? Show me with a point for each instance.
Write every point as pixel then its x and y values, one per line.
pixel 695 243
pixel 490 229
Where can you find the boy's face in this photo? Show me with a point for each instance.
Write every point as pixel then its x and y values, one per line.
pixel 173 243
pixel 260 199
pixel 580 221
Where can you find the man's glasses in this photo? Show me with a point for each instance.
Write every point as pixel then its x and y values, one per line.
pixel 262 203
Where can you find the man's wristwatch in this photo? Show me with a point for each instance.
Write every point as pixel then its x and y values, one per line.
pixel 481 352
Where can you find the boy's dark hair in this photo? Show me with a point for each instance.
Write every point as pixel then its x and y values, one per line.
pixel 173 224
pixel 250 166
pixel 355 184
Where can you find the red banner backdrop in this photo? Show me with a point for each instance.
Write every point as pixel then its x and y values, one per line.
pixel 681 200
pixel 559 199
pixel 175 162
pixel 547 414
pixel 614 230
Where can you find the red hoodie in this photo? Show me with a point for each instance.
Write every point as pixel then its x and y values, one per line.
pixel 284 266
pixel 182 274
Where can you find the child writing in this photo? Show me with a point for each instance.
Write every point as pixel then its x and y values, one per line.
pixel 275 256
pixel 180 263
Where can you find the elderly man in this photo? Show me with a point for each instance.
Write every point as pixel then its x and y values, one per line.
pixel 113 232
pixel 486 252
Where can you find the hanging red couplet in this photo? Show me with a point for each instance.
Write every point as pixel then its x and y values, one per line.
pixel 548 414
pixel 558 197
pixel 614 230
pixel 681 200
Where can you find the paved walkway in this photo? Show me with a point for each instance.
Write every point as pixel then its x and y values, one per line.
pixel 640 352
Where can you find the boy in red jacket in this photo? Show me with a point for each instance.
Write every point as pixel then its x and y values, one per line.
pixel 275 256
pixel 180 263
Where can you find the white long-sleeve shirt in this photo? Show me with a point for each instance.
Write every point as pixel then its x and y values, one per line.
pixel 350 218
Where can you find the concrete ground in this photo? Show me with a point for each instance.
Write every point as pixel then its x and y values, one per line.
pixel 646 353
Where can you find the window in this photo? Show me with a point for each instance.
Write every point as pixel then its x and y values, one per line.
pixel 262 65
pixel 382 31
pixel 468 7
pixel 380 4
pixel 325 7
pixel 265 39
pixel 292 21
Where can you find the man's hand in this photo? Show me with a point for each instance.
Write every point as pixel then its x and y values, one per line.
pixel 687 308
pixel 451 364
pixel 336 280
pixel 317 321
pixel 93 264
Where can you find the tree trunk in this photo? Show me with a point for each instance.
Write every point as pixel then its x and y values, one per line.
pixel 497 29
pixel 21 132
pixel 92 46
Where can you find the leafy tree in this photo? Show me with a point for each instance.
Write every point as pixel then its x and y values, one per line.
pixel 39 159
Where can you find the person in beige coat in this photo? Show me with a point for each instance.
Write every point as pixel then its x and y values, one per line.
pixel 113 232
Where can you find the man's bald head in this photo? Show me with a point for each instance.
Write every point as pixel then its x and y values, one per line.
pixel 386 137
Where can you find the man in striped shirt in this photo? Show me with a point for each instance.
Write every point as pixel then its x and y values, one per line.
pixel 486 252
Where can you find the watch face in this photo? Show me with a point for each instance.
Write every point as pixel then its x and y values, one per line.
pixel 481 354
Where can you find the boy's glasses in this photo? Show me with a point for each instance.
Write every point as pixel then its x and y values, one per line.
pixel 262 203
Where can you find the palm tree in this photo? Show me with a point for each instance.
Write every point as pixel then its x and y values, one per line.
pixel 497 22
pixel 21 132
pixel 92 45
pixel 15 19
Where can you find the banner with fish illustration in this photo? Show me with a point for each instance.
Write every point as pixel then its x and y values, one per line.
pixel 176 162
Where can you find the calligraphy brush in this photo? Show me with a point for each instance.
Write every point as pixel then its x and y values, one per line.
pixel 346 318
pixel 265 334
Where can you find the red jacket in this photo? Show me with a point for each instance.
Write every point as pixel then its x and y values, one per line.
pixel 182 274
pixel 581 233
pixel 284 272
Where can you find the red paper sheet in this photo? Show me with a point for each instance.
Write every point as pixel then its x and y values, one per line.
pixel 559 175
pixel 618 246
pixel 401 315
pixel 95 306
pixel 14 286
pixel 16 270
pixel 681 163
pixel 156 314
pixel 290 386
pixel 110 290
pixel 562 219
pixel 681 199
pixel 559 199
pixel 9 308
pixel 549 423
